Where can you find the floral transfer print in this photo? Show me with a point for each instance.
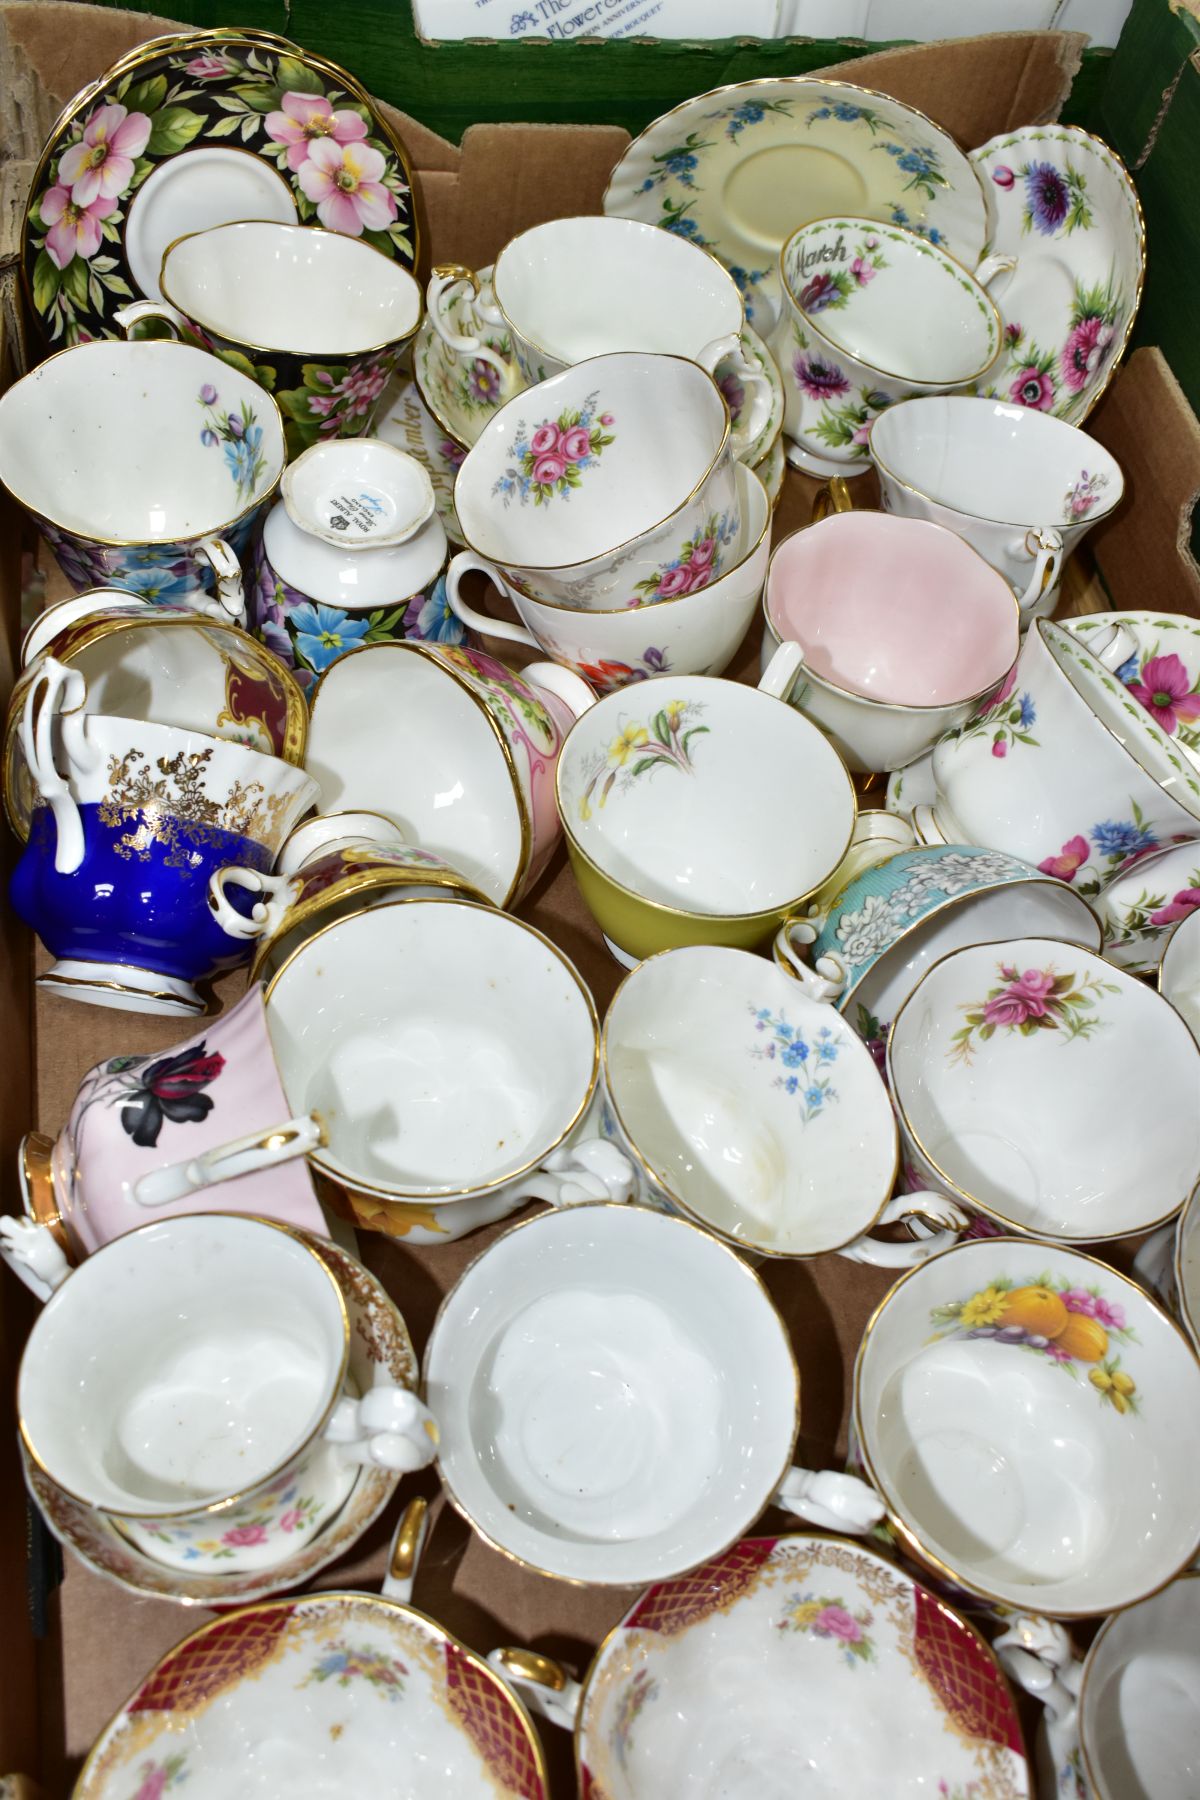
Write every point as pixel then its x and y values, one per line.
pixel 1051 380
pixel 641 1690
pixel 639 750
pixel 606 677
pixel 1029 1001
pixel 677 164
pixel 1081 496
pixel 551 459
pixel 1054 198
pixel 748 112
pixel 700 561
pixel 1077 1328
pixel 240 435
pixel 281 1511
pixel 803 1062
pixel 1008 717
pixel 846 424
pixel 865 931
pixel 1169 693
pixel 171 1088
pixel 826 1617
pixel 1116 842
pixel 835 288
pixel 159 1778
pixel 345 1666
pixel 874 1034
pixel 315 134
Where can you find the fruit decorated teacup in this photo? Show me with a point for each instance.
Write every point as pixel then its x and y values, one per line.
pixel 145 466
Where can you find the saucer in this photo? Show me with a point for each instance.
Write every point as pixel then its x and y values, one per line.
pixel 191 131
pixel 737 169
pixel 1063 205
pixel 771 471
pixel 379 1337
pixel 822 468
pixel 1162 673
pixel 405 420
pixel 332 1694
pixel 731 385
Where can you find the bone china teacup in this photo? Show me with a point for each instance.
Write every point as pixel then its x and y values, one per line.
pixel 574 288
pixel 1022 488
pixel 144 466
pixel 701 811
pixel 872 314
pixel 903 628
pixel 583 489
pixel 617 1399
pixel 756 1111
pixel 190 1375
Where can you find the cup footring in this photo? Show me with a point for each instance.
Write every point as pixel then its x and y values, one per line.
pixel 809 463
pixel 622 956
pixel 122 987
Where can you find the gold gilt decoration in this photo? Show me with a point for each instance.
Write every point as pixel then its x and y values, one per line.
pixel 673 1606
pixel 962 1675
pixel 481 1704
pixel 165 801
pixel 204 1665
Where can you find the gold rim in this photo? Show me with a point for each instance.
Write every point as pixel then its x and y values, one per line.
pixel 1100 1789
pixel 366 881
pixel 925 248
pixel 215 1507
pixel 84 533
pixel 827 682
pixel 185 1007
pixel 859 1547
pixel 658 524
pixel 406 1197
pixel 37 1180
pixel 1076 133
pixel 1015 1227
pixel 429 654
pixel 745 1271
pixel 907 1533
pixel 332 1599
pixel 677 1199
pixel 177 44
pixel 983 518
pixel 309 231
pixel 764 915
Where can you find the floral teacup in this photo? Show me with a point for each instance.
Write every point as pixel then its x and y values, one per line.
pixel 315 317
pixel 145 466
pixel 1140 905
pixel 124 1393
pixel 352 554
pixel 1002 1060
pixel 723 1681
pixel 1161 670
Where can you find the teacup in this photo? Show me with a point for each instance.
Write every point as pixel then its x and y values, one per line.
pixel 454 747
pixel 144 466
pixel 1161 670
pixel 1010 1409
pixel 451 1054
pixel 143 1114
pixel 671 795
pixel 873 313
pixel 350 555
pixel 903 627
pixel 1140 905
pixel 315 317
pixel 131 822
pixel 736 1673
pixel 617 1398
pixel 1062 767
pixel 1022 488
pixel 581 287
pixel 584 489
pixel 1179 974
pixel 1122 1721
pixel 695 631
pixel 124 1392
pixel 787 1146
pixel 870 943
pixel 1002 1060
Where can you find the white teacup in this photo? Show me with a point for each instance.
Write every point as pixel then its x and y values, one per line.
pixel 575 288
pixel 1179 974
pixel 1021 487
pixel 583 489
pixel 618 1399
pixel 756 1111
pixel 189 1382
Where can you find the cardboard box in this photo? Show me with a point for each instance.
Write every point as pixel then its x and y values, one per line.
pixel 72 1653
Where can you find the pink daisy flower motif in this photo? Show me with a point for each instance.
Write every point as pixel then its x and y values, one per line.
pixel 75 230
pixel 307 120
pixel 1033 388
pixel 101 167
pixel 1166 692
pixel 1069 860
pixel 343 182
pixel 1085 349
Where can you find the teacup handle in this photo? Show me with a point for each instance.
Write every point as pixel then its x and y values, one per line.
pixel 387 1427
pixel 779 677
pixel 229 602
pixel 832 1501
pixel 832 497
pixel 562 683
pixel 33 1254
pixel 991 266
pixel 450 275
pixel 943 1223
pixel 244 1156
pixel 541 1682
pixel 760 406
pixel 592 1169
pixel 464 561
pixel 58 693
pixel 408 1541
pixel 1046 548
pixel 824 981
pixel 1037 1653
pixel 1116 648
pixel 139 312
pixel 266 916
